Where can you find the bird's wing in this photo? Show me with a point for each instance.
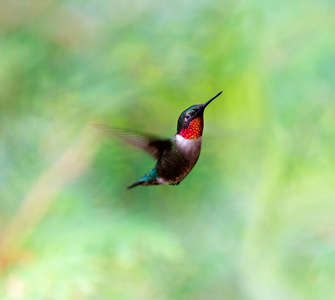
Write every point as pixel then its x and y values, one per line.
pixel 154 146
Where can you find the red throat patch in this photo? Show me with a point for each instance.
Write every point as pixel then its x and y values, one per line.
pixel 194 129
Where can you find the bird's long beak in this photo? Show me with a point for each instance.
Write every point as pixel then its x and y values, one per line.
pixel 202 107
pixel 210 100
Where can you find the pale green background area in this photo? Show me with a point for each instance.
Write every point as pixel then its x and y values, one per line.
pixel 254 220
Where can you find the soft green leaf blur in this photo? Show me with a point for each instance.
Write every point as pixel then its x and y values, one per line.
pixel 255 219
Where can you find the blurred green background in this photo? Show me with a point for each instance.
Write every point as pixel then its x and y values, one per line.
pixel 255 219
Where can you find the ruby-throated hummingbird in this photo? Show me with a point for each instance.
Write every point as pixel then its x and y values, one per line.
pixel 175 156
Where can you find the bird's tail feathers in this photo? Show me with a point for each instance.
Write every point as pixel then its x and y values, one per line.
pixel 139 182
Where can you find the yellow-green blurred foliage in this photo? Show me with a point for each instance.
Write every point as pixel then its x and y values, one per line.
pixel 255 219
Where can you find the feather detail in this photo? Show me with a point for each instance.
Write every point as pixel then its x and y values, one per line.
pixel 194 129
pixel 154 146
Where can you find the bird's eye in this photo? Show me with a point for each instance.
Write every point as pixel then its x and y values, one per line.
pixel 187 117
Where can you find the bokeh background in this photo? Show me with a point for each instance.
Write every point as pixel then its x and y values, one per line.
pixel 255 219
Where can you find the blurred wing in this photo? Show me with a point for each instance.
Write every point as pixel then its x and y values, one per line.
pixel 152 145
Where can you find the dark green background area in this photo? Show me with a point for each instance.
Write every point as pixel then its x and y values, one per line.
pixel 253 220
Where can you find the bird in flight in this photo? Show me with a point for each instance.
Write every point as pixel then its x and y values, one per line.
pixel 175 156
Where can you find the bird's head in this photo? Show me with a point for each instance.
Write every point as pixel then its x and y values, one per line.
pixel 191 121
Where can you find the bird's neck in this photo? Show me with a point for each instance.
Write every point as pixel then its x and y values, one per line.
pixel 194 129
pixel 187 145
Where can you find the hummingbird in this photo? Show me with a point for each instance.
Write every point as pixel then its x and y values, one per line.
pixel 175 156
